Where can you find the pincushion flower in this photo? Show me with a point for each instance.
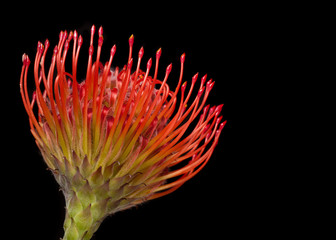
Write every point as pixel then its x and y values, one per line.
pixel 119 137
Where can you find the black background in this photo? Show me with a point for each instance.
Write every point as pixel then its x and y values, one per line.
pixel 223 200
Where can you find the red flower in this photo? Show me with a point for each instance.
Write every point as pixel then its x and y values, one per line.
pixel 119 137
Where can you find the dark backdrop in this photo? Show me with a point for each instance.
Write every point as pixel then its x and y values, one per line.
pixel 218 39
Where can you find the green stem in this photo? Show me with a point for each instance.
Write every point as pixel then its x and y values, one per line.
pixel 82 218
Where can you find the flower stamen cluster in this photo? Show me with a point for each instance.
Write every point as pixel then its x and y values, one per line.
pixel 120 136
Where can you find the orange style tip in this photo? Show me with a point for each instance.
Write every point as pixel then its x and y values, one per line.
pixel 183 58
pixel 158 53
pixel 131 40
pixel 70 35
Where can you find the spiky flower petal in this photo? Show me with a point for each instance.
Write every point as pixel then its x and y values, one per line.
pixel 120 137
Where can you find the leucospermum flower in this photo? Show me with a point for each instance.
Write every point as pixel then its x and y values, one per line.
pixel 119 137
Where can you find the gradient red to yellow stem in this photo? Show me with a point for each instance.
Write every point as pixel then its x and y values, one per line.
pixel 120 116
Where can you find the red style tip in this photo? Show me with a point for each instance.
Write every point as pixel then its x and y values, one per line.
pixel 65 35
pixel 200 92
pixel 93 29
pixel 149 63
pixel 169 68
pixel 75 35
pixel 141 52
pixel 25 59
pixel 194 78
pixel 212 109
pixel 183 87
pixel 100 31
pixel 222 125
pixel 183 58
pixel 46 43
pixel 210 85
pixel 61 35
pixel 113 50
pixel 206 109
pixel 40 47
pixel 158 53
pixel 219 120
pixel 219 108
pixel 55 50
pixel 203 79
pixel 80 40
pixel 131 40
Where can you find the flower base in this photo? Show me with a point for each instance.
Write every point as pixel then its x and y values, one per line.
pixel 82 219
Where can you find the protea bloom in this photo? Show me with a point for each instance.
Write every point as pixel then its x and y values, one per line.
pixel 118 138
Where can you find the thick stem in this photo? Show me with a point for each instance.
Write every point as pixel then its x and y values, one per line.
pixel 82 218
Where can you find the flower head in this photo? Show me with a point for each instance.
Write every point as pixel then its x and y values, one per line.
pixel 119 137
